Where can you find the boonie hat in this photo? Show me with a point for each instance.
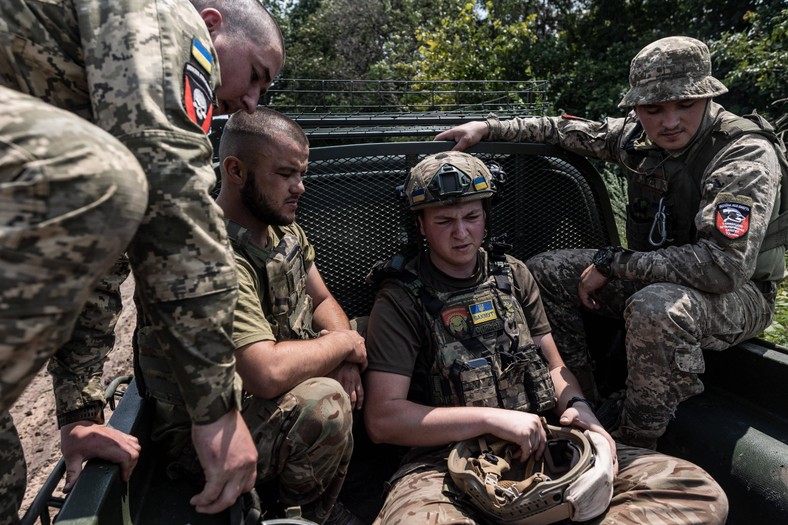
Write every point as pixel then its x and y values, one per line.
pixel 447 178
pixel 672 68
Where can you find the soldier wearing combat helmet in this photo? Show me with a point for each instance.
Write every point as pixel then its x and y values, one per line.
pixel 459 348
pixel 705 241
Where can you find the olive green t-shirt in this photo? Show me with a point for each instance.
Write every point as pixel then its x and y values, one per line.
pixel 398 338
pixel 250 324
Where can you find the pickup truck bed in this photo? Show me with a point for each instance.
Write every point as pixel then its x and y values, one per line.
pixel 737 429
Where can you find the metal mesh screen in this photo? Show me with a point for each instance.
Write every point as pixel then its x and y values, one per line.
pixel 352 214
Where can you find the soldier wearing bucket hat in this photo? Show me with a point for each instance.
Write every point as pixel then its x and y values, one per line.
pixel 460 352
pixel 705 238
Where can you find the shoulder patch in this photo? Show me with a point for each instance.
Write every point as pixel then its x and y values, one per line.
pixel 197 97
pixel 732 219
pixel 202 55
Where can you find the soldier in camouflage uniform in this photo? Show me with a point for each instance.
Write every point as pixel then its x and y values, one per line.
pixel 144 72
pixel 459 346
pixel 705 246
pixel 294 343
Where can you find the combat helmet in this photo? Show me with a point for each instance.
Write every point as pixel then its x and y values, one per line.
pixel 672 68
pixel 447 178
pixel 572 480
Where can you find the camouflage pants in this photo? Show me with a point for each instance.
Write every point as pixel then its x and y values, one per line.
pixel 667 328
pixel 71 198
pixel 651 488
pixel 305 441
pixel 13 471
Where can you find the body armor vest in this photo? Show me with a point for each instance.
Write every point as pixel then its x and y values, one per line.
pixel 484 353
pixel 281 283
pixel 664 192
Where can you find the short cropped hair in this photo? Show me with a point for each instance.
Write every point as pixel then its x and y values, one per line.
pixel 246 18
pixel 245 133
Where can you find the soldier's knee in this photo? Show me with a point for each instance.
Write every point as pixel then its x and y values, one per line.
pixel 662 307
pixel 332 404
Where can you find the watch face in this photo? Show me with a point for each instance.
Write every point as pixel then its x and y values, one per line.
pixel 602 261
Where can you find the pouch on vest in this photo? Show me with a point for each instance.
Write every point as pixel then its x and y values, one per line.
pixel 475 382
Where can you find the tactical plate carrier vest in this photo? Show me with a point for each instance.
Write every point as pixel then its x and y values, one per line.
pixel 484 353
pixel 281 279
pixel 661 188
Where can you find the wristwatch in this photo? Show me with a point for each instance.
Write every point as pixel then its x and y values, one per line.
pixel 603 258
pixel 93 412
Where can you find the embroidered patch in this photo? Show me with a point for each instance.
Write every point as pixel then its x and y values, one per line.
pixel 732 219
pixel 455 319
pixel 197 97
pixel 483 312
pixel 417 195
pixel 202 55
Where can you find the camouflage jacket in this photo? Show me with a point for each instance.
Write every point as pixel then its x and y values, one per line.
pixel 745 174
pixel 144 71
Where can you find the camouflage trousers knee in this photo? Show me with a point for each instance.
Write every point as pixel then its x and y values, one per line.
pixel 650 488
pixel 13 471
pixel 667 329
pixel 72 198
pixel 304 441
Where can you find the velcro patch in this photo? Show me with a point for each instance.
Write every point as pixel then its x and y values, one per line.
pixel 483 312
pixel 455 319
pixel 202 55
pixel 732 219
pixel 197 97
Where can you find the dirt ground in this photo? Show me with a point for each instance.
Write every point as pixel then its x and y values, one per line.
pixel 34 412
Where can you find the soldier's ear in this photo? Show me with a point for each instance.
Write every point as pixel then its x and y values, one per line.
pixel 212 18
pixel 234 170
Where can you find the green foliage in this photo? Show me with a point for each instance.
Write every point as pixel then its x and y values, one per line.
pixel 778 330
pixel 501 48
pixel 755 62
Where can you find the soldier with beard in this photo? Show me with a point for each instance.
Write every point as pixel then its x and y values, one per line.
pixel 297 354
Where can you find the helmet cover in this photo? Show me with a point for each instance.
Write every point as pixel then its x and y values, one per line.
pixel 521 492
pixel 447 178
pixel 672 68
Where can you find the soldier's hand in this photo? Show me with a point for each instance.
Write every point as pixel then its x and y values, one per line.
pixel 353 343
pixel 591 281
pixel 229 461
pixel 522 428
pixel 581 416
pixel 349 376
pixel 465 135
pixel 85 440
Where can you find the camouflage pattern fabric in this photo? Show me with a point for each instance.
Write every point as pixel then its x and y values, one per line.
pixel 483 320
pixel 138 70
pixel 13 471
pixel 304 442
pixel 722 284
pixel 435 180
pixel 651 489
pixel 667 327
pixel 72 197
pixel 672 68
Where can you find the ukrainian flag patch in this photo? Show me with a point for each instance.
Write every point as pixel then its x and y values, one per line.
pixel 483 312
pixel 417 195
pixel 202 55
pixel 479 183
